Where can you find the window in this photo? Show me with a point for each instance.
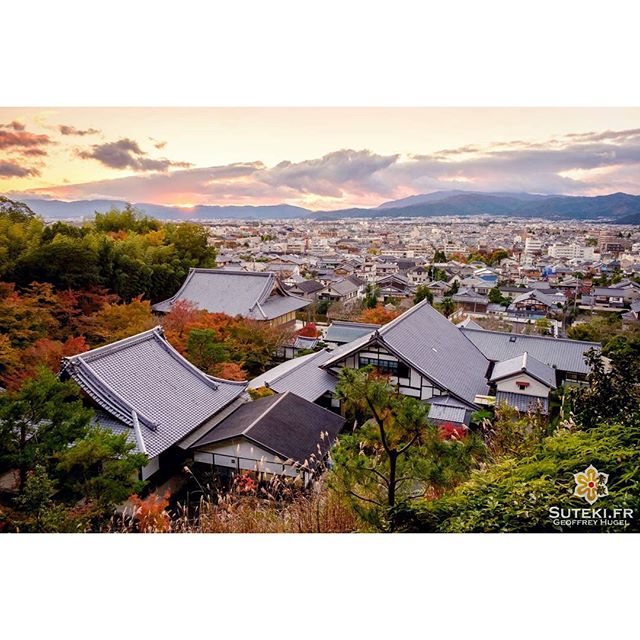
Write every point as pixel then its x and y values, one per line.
pixel 388 367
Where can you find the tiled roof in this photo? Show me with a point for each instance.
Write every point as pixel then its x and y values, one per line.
pixel 289 426
pixel 341 331
pixel 146 375
pixel 302 376
pixel 432 345
pixel 525 363
pixel 243 293
pixel 564 355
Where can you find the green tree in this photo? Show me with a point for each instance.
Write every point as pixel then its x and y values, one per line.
pixel 100 467
pixel 44 417
pixel 439 257
pixel 516 494
pixel 423 292
pixel 447 306
pixel 205 350
pixel 396 455
pixel 371 296
pixel 496 297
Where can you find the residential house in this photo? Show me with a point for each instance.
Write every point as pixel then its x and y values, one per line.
pixel 523 382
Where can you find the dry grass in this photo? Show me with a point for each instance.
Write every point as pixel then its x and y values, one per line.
pixel 287 510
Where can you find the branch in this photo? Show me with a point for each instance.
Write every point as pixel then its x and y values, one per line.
pixel 406 446
pixel 380 475
pixel 378 504
pixel 383 435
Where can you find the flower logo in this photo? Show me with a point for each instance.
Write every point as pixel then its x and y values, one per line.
pixel 591 484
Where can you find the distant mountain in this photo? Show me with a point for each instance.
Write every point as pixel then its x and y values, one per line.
pixel 616 207
pixel 439 196
pixel 87 209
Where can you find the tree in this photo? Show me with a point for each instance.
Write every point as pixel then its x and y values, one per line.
pixel 100 467
pixel 455 287
pixel 44 417
pixel 447 306
pixel 118 321
pixel 516 494
pixel 612 393
pixel 396 455
pixel 496 297
pixel 371 296
pixel 423 292
pixel 205 350
pixel 378 315
pixel 439 257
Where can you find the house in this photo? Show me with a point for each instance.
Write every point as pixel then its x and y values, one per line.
pixel 304 377
pixel 343 290
pixel 278 435
pixel 143 387
pixel 536 303
pixel 566 357
pixel 523 382
pixel 257 296
pixel 308 289
pixel 423 353
pixel 394 286
pixel 469 300
pixel 297 344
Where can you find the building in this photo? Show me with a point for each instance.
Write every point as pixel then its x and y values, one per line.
pixel 340 332
pixel 257 296
pixel 143 387
pixel 278 435
pixel 523 382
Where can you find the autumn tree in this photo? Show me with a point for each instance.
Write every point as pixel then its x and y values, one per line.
pixel 379 315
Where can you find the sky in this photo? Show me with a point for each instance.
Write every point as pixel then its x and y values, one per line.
pixel 319 158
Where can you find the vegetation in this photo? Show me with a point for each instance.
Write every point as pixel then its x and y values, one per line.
pixel 395 456
pixel 70 472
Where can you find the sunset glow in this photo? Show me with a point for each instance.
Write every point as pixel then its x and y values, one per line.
pixel 320 158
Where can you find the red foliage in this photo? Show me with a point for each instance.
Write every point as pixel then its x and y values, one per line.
pixel 230 371
pixel 244 483
pixel 309 331
pixel 452 431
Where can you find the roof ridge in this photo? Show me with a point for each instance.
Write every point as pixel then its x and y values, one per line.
pixel 385 327
pixel 279 398
pixel 523 335
pixel 114 346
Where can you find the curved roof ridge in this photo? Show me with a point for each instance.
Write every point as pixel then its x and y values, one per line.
pixel 524 335
pixel 90 355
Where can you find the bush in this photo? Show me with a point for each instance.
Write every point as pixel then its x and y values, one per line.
pixel 515 495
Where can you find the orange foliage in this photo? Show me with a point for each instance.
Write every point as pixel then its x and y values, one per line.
pixel 378 315
pixel 230 371
pixel 150 513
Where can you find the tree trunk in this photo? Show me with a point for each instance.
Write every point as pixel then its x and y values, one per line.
pixel 391 493
pixel 23 462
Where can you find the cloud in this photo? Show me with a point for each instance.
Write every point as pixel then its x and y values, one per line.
pixel 127 154
pixel 68 130
pixel 15 125
pixel 587 163
pixel 21 139
pixel 13 170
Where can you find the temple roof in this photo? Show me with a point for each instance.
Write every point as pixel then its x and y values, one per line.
pixel 144 379
pixel 258 296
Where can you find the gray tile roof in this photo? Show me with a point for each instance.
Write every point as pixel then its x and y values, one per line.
pixel 564 355
pixel 341 331
pixel 448 409
pixel 525 363
pixel 302 376
pixel 289 426
pixel 145 374
pixel 432 345
pixel 244 293
pixel 522 402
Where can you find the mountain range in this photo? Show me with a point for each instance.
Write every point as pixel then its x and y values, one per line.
pixel 620 208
